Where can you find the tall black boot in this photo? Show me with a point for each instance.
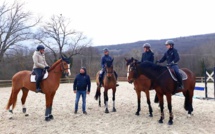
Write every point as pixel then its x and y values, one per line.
pixel 180 84
pixel 116 78
pixel 100 81
pixel 38 89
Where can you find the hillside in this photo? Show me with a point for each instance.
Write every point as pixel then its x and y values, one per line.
pixel 183 44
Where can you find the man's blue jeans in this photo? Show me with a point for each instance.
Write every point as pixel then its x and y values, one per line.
pixel 83 94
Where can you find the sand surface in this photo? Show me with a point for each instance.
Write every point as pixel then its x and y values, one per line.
pixel 97 122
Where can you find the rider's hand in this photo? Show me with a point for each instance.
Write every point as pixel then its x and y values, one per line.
pixel 47 67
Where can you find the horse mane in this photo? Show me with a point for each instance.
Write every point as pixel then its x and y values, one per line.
pixel 109 63
pixel 151 65
pixel 55 64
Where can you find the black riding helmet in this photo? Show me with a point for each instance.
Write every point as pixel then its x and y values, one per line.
pixel 40 47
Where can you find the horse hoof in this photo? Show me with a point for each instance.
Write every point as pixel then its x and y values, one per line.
pixel 106 111
pixel 47 119
pixel 160 121
pixel 150 115
pixel 137 113
pixel 24 110
pixel 170 122
pixel 10 118
pixel 26 115
pixel 114 110
pixel 51 117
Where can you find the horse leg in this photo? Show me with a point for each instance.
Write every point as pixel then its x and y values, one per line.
pixel 138 92
pixel 188 102
pixel 50 114
pixel 12 102
pixel 106 100
pixel 149 103
pixel 114 91
pixel 23 99
pixel 169 103
pixel 160 97
pixel 48 106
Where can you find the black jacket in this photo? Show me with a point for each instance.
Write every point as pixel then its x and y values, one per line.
pixel 82 82
pixel 104 59
pixel 171 56
pixel 147 56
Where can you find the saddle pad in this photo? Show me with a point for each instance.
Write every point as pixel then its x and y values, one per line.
pixel 182 73
pixel 32 78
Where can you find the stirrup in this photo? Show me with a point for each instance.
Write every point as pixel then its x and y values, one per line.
pixel 38 90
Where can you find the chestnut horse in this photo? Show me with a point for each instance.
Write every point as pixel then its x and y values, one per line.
pixel 49 86
pixel 165 85
pixel 141 83
pixel 109 82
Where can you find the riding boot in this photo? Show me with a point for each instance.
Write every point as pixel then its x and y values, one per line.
pixel 180 84
pixel 116 78
pixel 100 81
pixel 38 89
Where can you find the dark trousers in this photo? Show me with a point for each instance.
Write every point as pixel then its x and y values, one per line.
pixel 39 76
pixel 178 75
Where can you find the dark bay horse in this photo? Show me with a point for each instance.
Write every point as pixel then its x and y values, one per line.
pixel 109 82
pixel 49 86
pixel 165 85
pixel 141 83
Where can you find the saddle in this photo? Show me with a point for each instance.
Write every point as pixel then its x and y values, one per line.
pixel 33 76
pixel 181 72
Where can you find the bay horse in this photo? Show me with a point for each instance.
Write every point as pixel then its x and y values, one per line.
pixel 49 86
pixel 141 83
pixel 165 85
pixel 109 82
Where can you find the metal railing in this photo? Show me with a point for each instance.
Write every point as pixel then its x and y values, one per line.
pixel 8 83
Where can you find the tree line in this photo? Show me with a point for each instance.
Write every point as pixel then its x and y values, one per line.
pixel 19 38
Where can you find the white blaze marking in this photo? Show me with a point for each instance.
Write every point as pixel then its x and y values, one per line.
pixel 69 69
pixel 128 71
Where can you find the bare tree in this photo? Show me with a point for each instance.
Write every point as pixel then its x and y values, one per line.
pixel 15 26
pixel 58 36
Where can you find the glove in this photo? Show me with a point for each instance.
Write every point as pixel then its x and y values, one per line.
pixel 47 67
pixel 157 62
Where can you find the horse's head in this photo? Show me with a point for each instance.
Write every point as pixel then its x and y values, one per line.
pixel 109 68
pixel 65 65
pixel 131 69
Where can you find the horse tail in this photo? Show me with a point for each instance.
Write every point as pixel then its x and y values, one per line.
pixel 186 101
pixel 98 93
pixel 11 101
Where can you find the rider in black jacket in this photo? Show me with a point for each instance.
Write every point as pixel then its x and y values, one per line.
pixel 172 58
pixel 147 55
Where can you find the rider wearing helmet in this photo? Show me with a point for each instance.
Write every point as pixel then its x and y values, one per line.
pixel 39 65
pixel 147 55
pixel 172 58
pixel 105 58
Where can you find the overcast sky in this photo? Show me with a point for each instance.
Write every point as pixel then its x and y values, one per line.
pixel 120 21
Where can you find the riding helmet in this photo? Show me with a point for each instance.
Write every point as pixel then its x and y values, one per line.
pixel 40 47
pixel 105 50
pixel 170 42
pixel 146 45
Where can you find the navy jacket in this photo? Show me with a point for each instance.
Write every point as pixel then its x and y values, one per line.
pixel 147 56
pixel 82 82
pixel 104 59
pixel 171 56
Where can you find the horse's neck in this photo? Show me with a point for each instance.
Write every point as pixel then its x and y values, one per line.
pixel 150 73
pixel 56 72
